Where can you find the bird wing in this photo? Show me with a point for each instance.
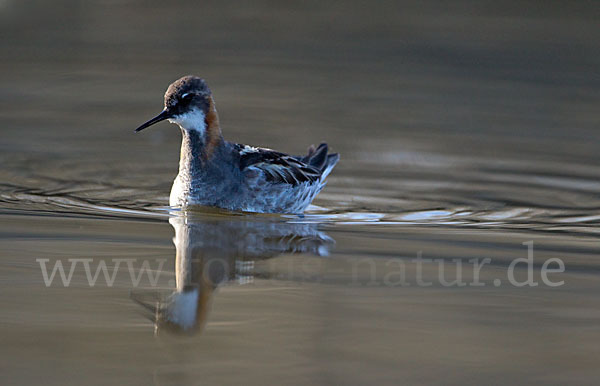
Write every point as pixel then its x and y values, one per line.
pixel 278 168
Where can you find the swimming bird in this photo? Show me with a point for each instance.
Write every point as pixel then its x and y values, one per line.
pixel 218 173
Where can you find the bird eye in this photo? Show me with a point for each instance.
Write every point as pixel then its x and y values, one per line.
pixel 187 97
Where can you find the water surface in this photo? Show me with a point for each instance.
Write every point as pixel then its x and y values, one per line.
pixel 467 132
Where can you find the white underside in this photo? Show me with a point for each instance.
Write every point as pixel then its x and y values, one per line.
pixel 178 194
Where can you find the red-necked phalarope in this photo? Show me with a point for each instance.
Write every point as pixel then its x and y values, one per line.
pixel 215 172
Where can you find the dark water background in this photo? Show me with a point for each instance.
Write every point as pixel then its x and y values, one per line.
pixel 466 129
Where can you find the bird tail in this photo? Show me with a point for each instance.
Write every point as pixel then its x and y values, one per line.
pixel 319 159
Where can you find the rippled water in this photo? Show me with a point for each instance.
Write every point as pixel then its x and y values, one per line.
pixel 467 132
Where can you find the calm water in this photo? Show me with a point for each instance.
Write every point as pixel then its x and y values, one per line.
pixel 467 132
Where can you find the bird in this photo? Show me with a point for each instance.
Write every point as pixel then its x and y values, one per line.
pixel 214 172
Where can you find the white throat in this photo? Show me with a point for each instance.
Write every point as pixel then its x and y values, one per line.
pixel 192 120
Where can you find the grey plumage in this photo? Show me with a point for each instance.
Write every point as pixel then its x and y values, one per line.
pixel 215 172
pixel 244 178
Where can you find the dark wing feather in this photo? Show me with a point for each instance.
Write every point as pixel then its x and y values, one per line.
pixel 277 167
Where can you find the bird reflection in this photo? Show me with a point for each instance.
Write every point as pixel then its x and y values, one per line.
pixel 214 249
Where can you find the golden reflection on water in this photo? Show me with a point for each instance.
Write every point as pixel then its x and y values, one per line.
pixel 211 251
